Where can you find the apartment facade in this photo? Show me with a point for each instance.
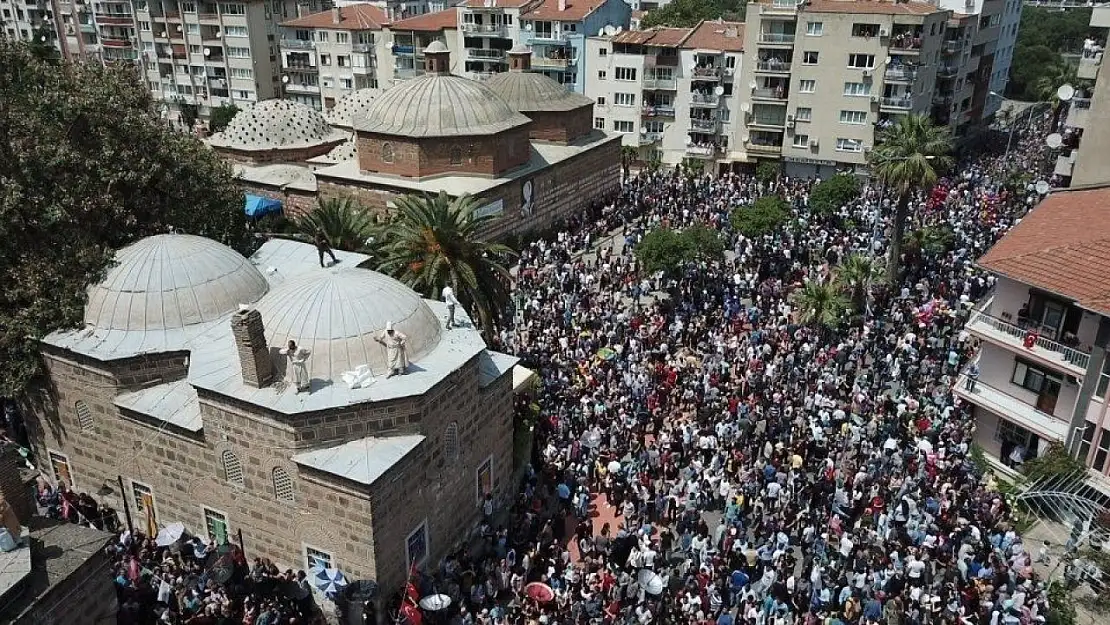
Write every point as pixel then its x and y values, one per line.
pixel 1043 374
pixel 328 55
pixel 556 30
pixel 995 25
pixel 1089 113
pixel 406 39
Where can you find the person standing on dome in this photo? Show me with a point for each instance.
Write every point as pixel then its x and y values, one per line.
pixel 323 246
pixel 394 343
pixel 451 301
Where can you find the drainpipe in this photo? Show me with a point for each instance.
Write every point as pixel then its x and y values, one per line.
pixel 1087 389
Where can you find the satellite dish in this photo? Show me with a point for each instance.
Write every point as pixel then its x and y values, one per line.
pixel 719 91
pixel 620 28
pixel 527 25
pixel 689 139
pixel 219 34
pixel 609 30
pixel 1054 140
pixel 179 28
pixel 1043 187
pixel 207 51
pixel 744 106
pixel 643 130
pixel 746 138
pixel 601 32
pixel 285 80
pixel 163 34
pixel 1065 92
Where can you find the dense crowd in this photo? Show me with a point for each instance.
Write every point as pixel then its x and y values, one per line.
pixel 753 469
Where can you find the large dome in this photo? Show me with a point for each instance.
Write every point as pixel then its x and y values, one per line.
pixel 171 281
pixel 529 92
pixel 276 124
pixel 338 315
pixel 352 107
pixel 439 105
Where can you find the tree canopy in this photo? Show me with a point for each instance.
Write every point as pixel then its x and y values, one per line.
pixel 221 116
pixel 87 168
pixel 687 13
pixel 762 217
pixel 833 193
pixel 1044 36
pixel 667 250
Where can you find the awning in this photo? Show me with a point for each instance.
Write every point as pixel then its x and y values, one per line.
pixel 257 206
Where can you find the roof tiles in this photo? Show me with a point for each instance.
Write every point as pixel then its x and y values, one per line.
pixel 661 37
pixel 429 22
pixel 717 35
pixel 872 7
pixel 572 11
pixel 351 17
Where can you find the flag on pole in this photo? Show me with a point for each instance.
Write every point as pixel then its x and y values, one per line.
pixel 151 523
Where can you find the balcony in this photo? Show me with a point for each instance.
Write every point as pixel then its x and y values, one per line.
pixel 705 125
pixel 776 39
pixel 661 84
pixel 1079 110
pixel 704 101
pixel 780 7
pixel 776 94
pixel 298 44
pixel 905 44
pixel 772 66
pixel 485 54
pixel 897 103
pixel 661 60
pixel 301 66
pixel 763 148
pixel 900 74
pixel 649 138
pixel 114 19
pixel 302 88
pixel 489 30
pixel 947 70
pixel 109 42
pixel 548 37
pixel 1089 64
pixel 218 83
pixel 1012 409
pixel 701 151
pixel 658 111
pixel 208 17
pixel 1013 337
pixel 546 63
pixel 1065 163
pixel 705 74
pixel 767 121
pixel 953 46
pixel 362 47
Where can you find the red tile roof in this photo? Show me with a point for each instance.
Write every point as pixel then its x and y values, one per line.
pixel 429 22
pixel 500 4
pixel 872 7
pixel 573 11
pixel 659 36
pixel 1061 246
pixel 351 17
pixel 717 35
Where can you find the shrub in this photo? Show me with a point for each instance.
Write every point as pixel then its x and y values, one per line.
pixel 833 193
pixel 762 217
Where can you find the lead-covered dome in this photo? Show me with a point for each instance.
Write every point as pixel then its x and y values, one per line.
pixel 337 316
pixel 170 282
pixel 276 124
pixel 529 92
pixel 352 107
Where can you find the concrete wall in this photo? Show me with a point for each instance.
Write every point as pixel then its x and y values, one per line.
pixel 996 367
pixel 1091 165
pixel 86 597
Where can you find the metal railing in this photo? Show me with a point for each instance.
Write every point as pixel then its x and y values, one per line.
pixel 767 120
pixel 540 61
pixel 484 53
pixel 776 37
pixel 772 65
pixel 648 138
pixel 952 46
pixel 899 73
pixel 484 29
pixel 298 44
pixel 706 73
pixel 660 83
pixel 764 147
pixel 1069 354
pixel 947 70
pixel 903 103
pixel 658 111
pixel 698 99
pixel 701 150
pixel 904 43
pixel 770 94
pixel 705 125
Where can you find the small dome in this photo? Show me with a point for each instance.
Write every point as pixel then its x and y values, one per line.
pixel 436 47
pixel 171 281
pixel 352 106
pixel 528 92
pixel 337 316
pixel 275 124
pixel 520 48
pixel 439 105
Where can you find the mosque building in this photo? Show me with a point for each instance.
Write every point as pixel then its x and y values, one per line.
pixel 522 144
pixel 180 391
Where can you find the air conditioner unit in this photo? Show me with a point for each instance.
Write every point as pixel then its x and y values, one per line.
pixel 884 32
pixel 789 123
pixel 813 143
pixel 874 99
pixel 789 118
pixel 867 73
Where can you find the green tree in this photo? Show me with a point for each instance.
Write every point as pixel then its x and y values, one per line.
pixel 1045 34
pixel 767 171
pixel 702 244
pixel 907 157
pixel 1061 605
pixel 86 168
pixel 347 225
pixel 221 116
pixel 433 242
pixel 833 193
pixel 928 240
pixel 820 304
pixel 661 249
pixel 1053 77
pixel 762 217
pixel 689 13
pixel 855 276
pixel 189 114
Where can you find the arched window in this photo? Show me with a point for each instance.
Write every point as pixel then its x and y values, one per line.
pixel 451 442
pixel 233 469
pixel 387 152
pixel 456 156
pixel 283 485
pixel 84 415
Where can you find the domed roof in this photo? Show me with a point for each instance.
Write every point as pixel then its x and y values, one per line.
pixel 171 281
pixel 351 107
pixel 527 92
pixel 338 315
pixel 439 105
pixel 275 124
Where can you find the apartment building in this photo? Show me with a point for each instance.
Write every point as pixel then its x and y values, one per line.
pixel 1089 113
pixel 406 39
pixel 822 76
pixel 26 20
pixel 330 54
pixel 556 31
pixel 991 27
pixel 1043 372
pixel 670 91
pixel 401 9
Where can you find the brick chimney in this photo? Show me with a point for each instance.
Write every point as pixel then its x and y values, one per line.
pixel 17 506
pixel 562 5
pixel 437 58
pixel 250 343
pixel 520 58
pixel 336 16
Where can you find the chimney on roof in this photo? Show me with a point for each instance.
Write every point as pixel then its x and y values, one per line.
pixel 16 505
pixel 336 16
pixel 520 58
pixel 562 5
pixel 250 343
pixel 302 9
pixel 437 58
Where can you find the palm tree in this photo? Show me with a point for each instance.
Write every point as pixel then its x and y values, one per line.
pixel 928 240
pixel 1058 74
pixel 433 242
pixel 906 157
pixel 820 303
pixel 855 276
pixel 347 225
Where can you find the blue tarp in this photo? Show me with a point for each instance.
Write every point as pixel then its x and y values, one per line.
pixel 257 206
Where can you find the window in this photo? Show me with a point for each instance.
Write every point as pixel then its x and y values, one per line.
pixel 625 73
pixel 601 100
pixel 810 57
pixel 235 31
pixel 1011 432
pixel 345 83
pixel 865 30
pixel 853 117
pixel 620 126
pixel 144 26
pixel 233 8
pixel 84 415
pixel 189 7
pixel 624 99
pixel 602 52
pixel 59 465
pixel 240 94
pixel 317 559
pixel 861 61
pixel 283 485
pixel 192 29
pixel 416 546
pixel 195 49
pixel 857 89
pixel 801 141
pixel 599 123
pixel 342 37
pixel 815 29
pixel 483 479
pixel 148 46
pixel 730 62
pixel 601 74
pixel 849 145
pixel 387 152
pixel 215 523
pixel 322 35
pixel 803 114
pixel 238 53
pixel 1085 444
pixel 142 497
pixel 233 469
pixel 1103 449
pixel 451 436
pixel 325 59
pixel 342 61
pixel 1030 377
pixel 807 85
pixel 241 72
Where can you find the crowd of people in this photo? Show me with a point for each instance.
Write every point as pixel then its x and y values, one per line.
pixel 701 456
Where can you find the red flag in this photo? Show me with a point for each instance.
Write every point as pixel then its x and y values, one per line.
pixel 412 614
pixel 411 591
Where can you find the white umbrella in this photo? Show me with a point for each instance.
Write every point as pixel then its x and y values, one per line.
pixel 614 466
pixel 435 603
pixel 170 534
pixel 650 581
pixel 925 446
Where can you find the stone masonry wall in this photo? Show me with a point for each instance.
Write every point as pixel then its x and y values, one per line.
pixel 294 202
pixel 561 127
pixel 416 158
pixel 263 157
pixel 86 597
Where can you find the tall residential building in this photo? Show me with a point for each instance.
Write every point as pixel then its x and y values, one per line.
pixel 401 9
pixel 556 30
pixel 407 39
pixel 995 26
pixel 24 20
pixel 1089 114
pixel 670 91
pixel 1043 373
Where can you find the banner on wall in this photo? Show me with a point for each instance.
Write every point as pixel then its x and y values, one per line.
pixel 494 209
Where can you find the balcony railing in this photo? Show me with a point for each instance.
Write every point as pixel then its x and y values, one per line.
pixel 905 44
pixel 767 120
pixel 1017 335
pixel 764 148
pixel 952 46
pixel 109 42
pixel 776 38
pixel 705 125
pixel 900 74
pixel 115 19
pixel 298 44
pixel 773 66
pixel 901 103
pixel 648 138
pixel 710 101
pixel 658 111
pixel 298 88
pixel 1081 103
pixel 703 151
pixel 770 94
pixel 544 62
pixel 496 30
pixel 308 67
pixel 362 47
pixel 485 54
pixel 947 71
pixel 208 17
pixel 706 73
pixel 661 83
